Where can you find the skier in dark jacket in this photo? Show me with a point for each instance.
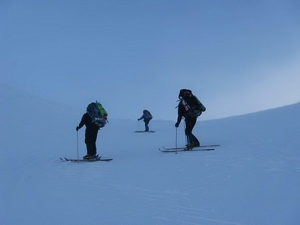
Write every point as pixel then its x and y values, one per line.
pixel 91 133
pixel 147 117
pixel 184 110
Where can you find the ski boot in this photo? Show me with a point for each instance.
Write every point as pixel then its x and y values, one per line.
pixel 91 157
pixel 188 147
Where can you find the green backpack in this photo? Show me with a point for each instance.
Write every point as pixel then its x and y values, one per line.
pixel 97 113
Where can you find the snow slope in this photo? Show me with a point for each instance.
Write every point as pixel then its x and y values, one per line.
pixel 252 179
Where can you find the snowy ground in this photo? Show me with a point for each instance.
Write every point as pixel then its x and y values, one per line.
pixel 252 179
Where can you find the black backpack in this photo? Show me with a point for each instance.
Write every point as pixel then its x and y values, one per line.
pixel 147 115
pixel 191 103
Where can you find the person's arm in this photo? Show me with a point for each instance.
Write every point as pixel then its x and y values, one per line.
pixel 180 115
pixel 82 122
pixel 142 117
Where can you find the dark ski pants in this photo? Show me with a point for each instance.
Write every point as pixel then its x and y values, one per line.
pixel 91 148
pixel 190 122
pixel 147 124
pixel 90 141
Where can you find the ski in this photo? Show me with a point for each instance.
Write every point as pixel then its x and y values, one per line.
pixel 140 131
pixel 185 150
pixel 200 147
pixel 85 160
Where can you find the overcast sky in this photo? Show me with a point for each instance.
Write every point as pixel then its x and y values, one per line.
pixel 238 56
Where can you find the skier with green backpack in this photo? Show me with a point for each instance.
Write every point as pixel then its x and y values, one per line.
pixel 94 119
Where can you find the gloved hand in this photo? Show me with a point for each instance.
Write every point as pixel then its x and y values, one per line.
pixel 77 128
pixel 177 124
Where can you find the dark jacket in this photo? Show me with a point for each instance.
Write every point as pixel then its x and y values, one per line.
pixel 91 128
pixel 189 106
pixel 181 112
pixel 146 116
pixel 87 121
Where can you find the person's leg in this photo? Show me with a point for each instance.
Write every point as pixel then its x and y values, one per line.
pixel 146 125
pixel 93 143
pixel 90 149
pixel 195 142
pixel 191 139
pixel 90 141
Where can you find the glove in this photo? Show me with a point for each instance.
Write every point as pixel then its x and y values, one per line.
pixel 77 128
pixel 177 124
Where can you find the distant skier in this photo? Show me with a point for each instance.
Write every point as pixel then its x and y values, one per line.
pixel 190 108
pixel 147 117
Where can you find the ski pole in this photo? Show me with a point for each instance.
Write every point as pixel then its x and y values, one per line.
pixel 77 147
pixel 176 140
pixel 139 125
pixel 186 137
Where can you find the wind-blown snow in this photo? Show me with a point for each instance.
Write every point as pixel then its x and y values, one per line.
pixel 252 179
